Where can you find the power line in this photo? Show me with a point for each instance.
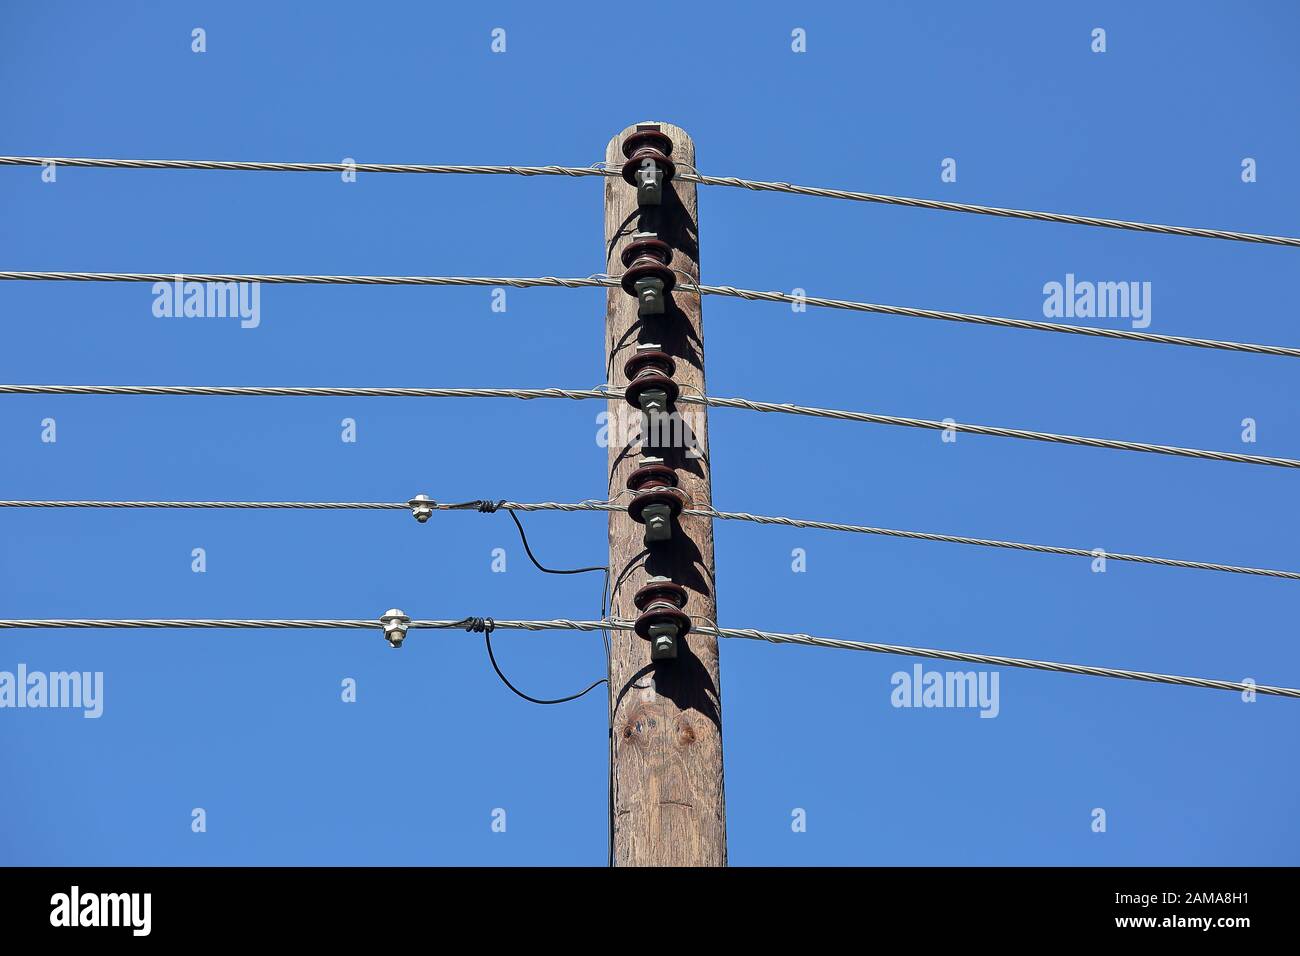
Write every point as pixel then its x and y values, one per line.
pixel 608 393
pixel 485 506
pixel 604 281
pixel 990 430
pixel 1082 669
pixel 557 624
pixel 252 505
pixel 301 167
pixel 993 320
pixel 991 543
pixel 299 279
pixel 991 210
pixel 606 506
pixel 911 535
pixel 309 391
pixel 695 177
pixel 772 637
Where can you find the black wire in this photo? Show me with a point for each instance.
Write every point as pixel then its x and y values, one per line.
pixel 606 599
pixel 524 538
pixel 487 625
pixel 491 507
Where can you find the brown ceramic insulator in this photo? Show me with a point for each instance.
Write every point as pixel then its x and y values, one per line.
pixel 651 137
pixel 656 475
pixel 657 592
pixel 656 496
pixel 644 358
pixel 647 144
pixel 647 247
pixel 650 378
pixel 662 613
pixel 647 267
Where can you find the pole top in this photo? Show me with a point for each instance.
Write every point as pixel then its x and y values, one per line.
pixel 683 147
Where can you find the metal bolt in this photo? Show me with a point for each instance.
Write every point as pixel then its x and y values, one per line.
pixel 649 183
pixel 653 401
pixel 656 428
pixel 658 523
pixel 395 623
pixel 663 642
pixel 649 296
pixel 422 507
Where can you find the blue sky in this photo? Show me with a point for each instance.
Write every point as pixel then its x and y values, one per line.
pixel 250 726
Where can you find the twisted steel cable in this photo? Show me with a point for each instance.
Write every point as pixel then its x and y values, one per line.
pixel 277 623
pixel 606 506
pixel 1001 211
pixel 683 174
pixel 969 658
pixel 613 393
pixel 591 282
pixel 993 320
pixel 249 505
pixel 911 535
pixel 772 637
pixel 160 623
pixel 589 505
pixel 302 167
pixel 298 279
pixel 313 391
pixel 990 543
pixel 991 430
pixel 604 281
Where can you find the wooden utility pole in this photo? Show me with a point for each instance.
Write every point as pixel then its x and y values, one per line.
pixel 666 762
